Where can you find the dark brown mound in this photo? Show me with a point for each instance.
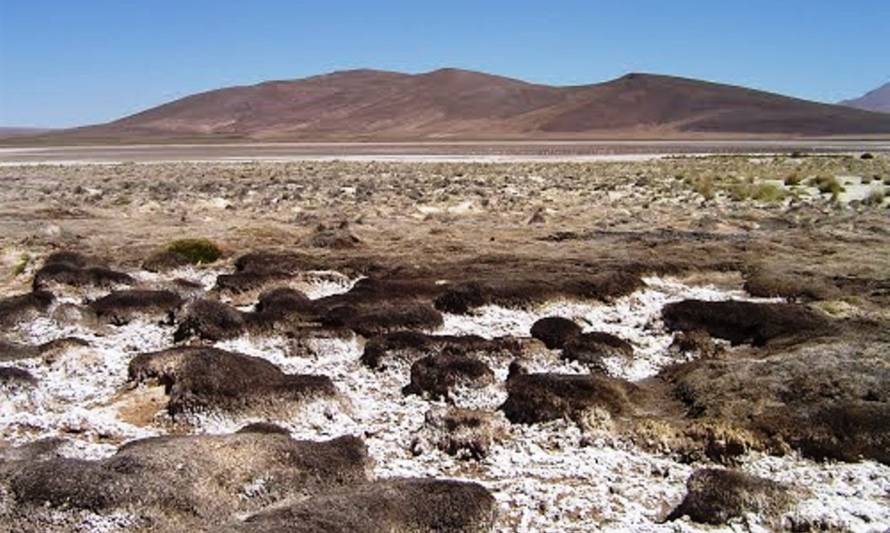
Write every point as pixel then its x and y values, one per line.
pixel 592 348
pixel 542 397
pixel 199 378
pixel 383 318
pixel 716 496
pixel 367 291
pixel 78 270
pixel 392 505
pixel 555 331
pixel 263 427
pixel 120 307
pixel 461 298
pixel 165 260
pixel 464 432
pixel 839 431
pixel 261 262
pixel 334 238
pixel 791 286
pixel 16 376
pixel 11 351
pixel 75 259
pixel 828 400
pixel 695 341
pixel 746 322
pixel 522 291
pixel 210 320
pixel 436 375
pixel 22 307
pixel 178 481
pixel 409 346
pixel 242 282
pixel 279 303
pixel 38 449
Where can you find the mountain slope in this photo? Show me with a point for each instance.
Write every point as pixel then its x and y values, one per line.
pixel 876 100
pixel 452 103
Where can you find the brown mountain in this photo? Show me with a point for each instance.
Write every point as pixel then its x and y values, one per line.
pixel 459 104
pixel 876 100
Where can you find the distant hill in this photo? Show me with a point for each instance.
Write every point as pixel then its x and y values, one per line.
pixel 460 104
pixel 876 100
pixel 18 132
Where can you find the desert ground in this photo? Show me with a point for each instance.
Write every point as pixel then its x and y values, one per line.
pixel 496 338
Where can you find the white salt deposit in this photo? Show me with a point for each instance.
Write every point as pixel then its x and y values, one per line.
pixel 546 477
pixel 635 318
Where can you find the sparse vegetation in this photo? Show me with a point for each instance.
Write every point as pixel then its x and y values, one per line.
pixel 760 192
pixel 828 185
pixel 705 187
pixel 768 192
pixel 20 267
pixel 197 251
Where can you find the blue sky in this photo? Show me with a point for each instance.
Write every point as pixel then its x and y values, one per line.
pixel 72 62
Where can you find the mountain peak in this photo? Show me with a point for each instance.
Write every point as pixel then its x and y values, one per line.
pixel 874 100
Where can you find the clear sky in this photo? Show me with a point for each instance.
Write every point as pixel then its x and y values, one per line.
pixel 73 62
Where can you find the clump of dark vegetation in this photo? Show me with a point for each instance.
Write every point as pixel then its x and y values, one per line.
pixel 716 496
pixel 826 399
pixel 198 378
pixel 369 321
pixel 555 331
pixel 210 320
pixel 747 322
pixel 121 307
pixel 15 309
pixel 465 433
pixel 436 375
pixel 78 270
pixel 769 283
pixel 176 480
pixel 195 250
pixel 593 348
pixel 409 346
pixel 397 505
pixel 534 398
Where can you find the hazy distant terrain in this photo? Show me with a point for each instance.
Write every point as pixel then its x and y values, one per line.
pixel 460 104
pixel 17 132
pixel 876 100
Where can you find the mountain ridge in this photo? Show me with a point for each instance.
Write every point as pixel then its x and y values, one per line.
pixel 450 103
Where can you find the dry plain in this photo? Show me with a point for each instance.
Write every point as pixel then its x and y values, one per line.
pixel 719 362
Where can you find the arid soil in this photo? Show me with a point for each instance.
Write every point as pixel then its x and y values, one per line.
pixel 677 344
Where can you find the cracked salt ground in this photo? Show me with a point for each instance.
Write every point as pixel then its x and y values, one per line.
pixel 546 477
pixel 74 390
pixel 635 318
